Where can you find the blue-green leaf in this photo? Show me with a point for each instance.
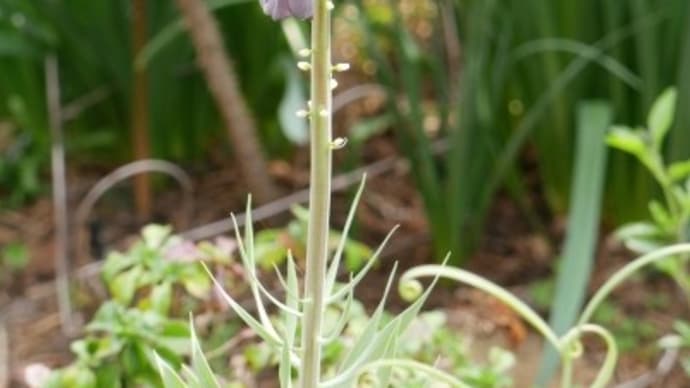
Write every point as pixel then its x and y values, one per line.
pixel 170 378
pixel 199 364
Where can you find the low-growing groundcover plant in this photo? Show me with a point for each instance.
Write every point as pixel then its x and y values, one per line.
pixel 670 218
pixel 121 338
pixel 376 356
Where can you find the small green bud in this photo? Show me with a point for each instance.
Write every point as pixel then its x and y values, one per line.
pixel 340 67
pixel 410 290
pixel 368 380
pixel 338 143
pixel 574 349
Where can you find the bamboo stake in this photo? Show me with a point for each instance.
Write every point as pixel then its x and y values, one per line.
pixel 140 111
pixel 59 196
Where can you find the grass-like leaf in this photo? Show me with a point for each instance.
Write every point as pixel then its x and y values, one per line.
pixel 250 268
pixel 270 336
pixel 199 363
pixel 170 378
pixel 335 263
pixel 583 223
pixel 360 275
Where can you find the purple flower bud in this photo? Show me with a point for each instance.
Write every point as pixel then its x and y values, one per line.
pixel 281 9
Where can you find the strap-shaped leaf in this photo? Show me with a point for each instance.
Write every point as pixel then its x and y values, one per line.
pixel 199 363
pixel 360 275
pixel 337 256
pixel 661 116
pixel 679 170
pixel 267 335
pixel 190 377
pixel 284 284
pixel 249 267
pixel 285 368
pixel 169 377
pixel 342 320
pixel 292 300
pixel 368 336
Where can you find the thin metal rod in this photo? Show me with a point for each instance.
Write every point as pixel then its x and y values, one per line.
pixel 125 172
pixel 59 180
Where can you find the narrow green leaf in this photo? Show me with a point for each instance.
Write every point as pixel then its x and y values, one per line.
pixel 124 286
pixel 291 300
pixel 335 263
pixel 593 119
pixel 679 171
pixel 268 335
pixel 285 368
pixel 161 298
pixel 170 378
pixel 661 116
pixel 155 235
pixel 360 275
pixel 661 216
pixel 190 377
pixel 628 140
pixel 199 364
pixel 369 333
pixel 247 255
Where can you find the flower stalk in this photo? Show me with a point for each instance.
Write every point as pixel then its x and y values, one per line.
pixel 319 193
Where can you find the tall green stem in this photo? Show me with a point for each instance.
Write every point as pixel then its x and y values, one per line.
pixel 319 193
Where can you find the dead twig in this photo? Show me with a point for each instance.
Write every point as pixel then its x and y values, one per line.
pixel 62 270
pixel 220 77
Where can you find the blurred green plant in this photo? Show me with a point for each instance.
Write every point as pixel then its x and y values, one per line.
pixel 568 345
pixel 630 332
pixel 272 245
pixel 154 264
pixel 670 219
pixel 125 332
pixel 574 267
pixel 679 340
pixel 524 66
pixel 119 347
pixel 96 67
pixel 431 341
pixel 14 257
